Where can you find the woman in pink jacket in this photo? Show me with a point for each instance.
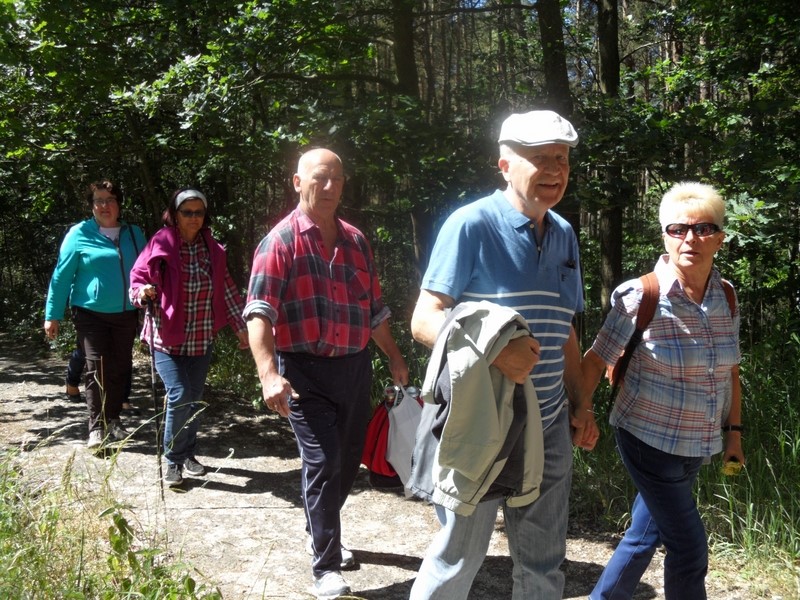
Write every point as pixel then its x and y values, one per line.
pixel 182 274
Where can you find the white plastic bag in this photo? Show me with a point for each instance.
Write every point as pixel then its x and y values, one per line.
pixel 404 417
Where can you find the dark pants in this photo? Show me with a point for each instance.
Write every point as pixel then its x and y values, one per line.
pixel 330 424
pixel 76 365
pixel 107 341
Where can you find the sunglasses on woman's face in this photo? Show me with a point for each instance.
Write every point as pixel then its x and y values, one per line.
pixel 188 214
pixel 679 230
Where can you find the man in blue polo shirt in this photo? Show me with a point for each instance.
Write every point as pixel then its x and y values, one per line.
pixel 511 249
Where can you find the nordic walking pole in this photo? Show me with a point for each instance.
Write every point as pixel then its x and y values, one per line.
pixel 156 407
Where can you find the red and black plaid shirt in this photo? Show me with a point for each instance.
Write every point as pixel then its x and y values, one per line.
pixel 326 306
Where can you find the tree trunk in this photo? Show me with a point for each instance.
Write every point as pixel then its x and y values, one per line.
pixel 554 57
pixel 404 59
pixel 611 216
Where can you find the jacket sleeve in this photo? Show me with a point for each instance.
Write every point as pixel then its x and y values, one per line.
pixel 143 273
pixel 63 276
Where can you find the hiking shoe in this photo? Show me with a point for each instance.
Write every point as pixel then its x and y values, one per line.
pixel 331 585
pixel 348 560
pixel 192 467
pixel 74 392
pixel 173 475
pixel 116 431
pixel 95 438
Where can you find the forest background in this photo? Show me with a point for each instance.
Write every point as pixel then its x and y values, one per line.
pixel 223 95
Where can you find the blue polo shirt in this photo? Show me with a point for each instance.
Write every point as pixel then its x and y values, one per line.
pixel 487 251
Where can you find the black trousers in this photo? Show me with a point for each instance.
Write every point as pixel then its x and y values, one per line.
pixel 330 425
pixel 107 342
pixel 76 365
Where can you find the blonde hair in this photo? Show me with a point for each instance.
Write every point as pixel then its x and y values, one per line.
pixel 691 196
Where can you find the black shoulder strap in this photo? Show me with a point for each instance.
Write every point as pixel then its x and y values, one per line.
pixel 133 239
pixel 647 308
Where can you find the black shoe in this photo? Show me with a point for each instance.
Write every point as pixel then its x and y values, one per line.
pixel 173 475
pixel 192 467
pixel 130 409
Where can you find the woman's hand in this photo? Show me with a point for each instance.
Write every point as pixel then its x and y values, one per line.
pixel 51 329
pixel 147 292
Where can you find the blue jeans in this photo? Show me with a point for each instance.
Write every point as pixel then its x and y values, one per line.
pixel 665 512
pixel 75 366
pixel 537 535
pixel 184 378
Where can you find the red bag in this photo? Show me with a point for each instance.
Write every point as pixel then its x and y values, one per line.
pixel 374 455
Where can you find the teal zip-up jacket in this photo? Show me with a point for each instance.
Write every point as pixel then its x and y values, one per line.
pixel 92 271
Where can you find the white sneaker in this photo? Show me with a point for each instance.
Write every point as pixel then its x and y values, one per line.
pixel 95 438
pixel 116 431
pixel 348 560
pixel 331 585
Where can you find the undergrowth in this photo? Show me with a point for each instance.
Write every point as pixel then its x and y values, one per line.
pixel 57 541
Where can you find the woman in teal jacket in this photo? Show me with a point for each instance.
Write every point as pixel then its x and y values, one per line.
pixel 92 274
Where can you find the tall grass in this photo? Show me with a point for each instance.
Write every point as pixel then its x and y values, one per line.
pixel 758 512
pixel 57 541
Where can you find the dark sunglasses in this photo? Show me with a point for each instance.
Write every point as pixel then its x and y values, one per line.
pixel 193 213
pixel 679 230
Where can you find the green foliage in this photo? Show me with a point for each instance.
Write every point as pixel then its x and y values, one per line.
pixel 759 511
pixel 52 546
pixel 223 95
pixel 233 369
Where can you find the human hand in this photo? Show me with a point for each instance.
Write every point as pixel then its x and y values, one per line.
pixel 399 370
pixel 51 329
pixel 244 339
pixel 147 292
pixel 276 392
pixel 585 432
pixel 733 448
pixel 517 359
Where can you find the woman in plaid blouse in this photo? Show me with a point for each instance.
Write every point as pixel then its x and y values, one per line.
pixel 680 394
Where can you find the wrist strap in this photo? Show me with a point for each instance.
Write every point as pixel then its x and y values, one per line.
pixel 727 428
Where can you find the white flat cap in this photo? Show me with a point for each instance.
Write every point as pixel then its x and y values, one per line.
pixel 536 128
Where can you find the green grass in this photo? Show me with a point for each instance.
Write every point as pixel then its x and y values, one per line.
pixel 59 542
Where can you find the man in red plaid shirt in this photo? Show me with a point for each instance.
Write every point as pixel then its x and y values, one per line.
pixel 313 303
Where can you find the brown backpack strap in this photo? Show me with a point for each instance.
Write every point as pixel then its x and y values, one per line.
pixel 730 295
pixel 647 308
pixel 650 298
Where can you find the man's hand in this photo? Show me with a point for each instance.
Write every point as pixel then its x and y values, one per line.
pixel 244 339
pixel 584 428
pixel 517 359
pixel 276 392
